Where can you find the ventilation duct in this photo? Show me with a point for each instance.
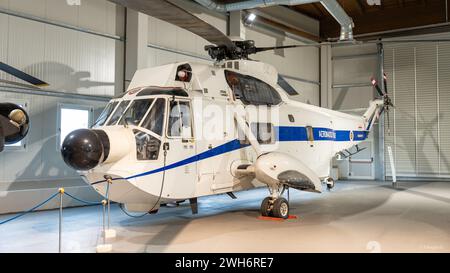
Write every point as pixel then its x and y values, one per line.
pixel 332 6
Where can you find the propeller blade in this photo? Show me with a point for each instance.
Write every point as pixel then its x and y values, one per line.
pixel 175 15
pixel 375 84
pixel 389 122
pixel 385 83
pixel 22 75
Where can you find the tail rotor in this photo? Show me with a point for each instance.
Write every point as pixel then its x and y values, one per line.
pixel 386 99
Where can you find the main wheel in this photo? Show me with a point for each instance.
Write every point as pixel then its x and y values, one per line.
pixel 330 183
pixel 265 207
pixel 281 208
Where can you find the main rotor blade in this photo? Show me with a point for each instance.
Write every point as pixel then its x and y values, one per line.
pixel 385 83
pixel 22 75
pixel 261 49
pixel 175 15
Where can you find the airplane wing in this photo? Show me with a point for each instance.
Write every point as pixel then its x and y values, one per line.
pixel 173 14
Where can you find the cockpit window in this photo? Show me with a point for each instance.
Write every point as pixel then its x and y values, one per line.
pixel 135 112
pixel 180 119
pixel 147 146
pixel 118 113
pixel 155 118
pixel 105 114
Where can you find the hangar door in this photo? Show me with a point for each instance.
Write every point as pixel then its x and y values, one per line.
pixel 419 84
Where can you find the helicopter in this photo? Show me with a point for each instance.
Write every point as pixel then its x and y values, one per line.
pixel 14 120
pixel 186 130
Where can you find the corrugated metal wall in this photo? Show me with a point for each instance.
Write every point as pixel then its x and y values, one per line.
pixel 70 61
pixel 419 80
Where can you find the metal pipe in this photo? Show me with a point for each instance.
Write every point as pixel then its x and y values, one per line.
pixel 350 85
pixel 332 6
pixel 51 93
pixel 354 56
pixel 58 24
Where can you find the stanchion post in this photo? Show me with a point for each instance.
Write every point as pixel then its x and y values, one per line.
pixel 109 181
pixel 104 248
pixel 61 193
pixel 104 220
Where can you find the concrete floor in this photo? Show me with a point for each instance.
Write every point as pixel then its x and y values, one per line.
pixel 354 217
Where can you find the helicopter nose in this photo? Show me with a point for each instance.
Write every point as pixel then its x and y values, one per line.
pixel 84 149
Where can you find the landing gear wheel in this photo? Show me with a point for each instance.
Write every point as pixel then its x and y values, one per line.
pixel 330 183
pixel 281 208
pixel 265 207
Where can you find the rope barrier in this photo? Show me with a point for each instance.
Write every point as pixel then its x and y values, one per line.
pixel 61 191
pixel 133 216
pixel 82 201
pixel 30 210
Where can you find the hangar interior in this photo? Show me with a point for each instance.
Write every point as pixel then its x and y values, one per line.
pixel 89 50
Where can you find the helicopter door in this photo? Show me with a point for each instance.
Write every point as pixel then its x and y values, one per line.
pixel 180 136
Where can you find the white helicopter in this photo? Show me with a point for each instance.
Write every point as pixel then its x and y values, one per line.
pixel 186 130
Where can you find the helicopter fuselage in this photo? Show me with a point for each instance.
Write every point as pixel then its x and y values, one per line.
pixel 181 139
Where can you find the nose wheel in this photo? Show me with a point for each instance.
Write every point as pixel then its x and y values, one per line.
pixel 278 207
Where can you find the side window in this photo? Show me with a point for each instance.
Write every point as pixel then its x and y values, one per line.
pixel 155 118
pixel 118 113
pixel 263 132
pixel 147 146
pixel 136 112
pixel 180 123
pixel 251 90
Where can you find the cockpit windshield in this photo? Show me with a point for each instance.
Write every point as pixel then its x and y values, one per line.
pixel 118 113
pixel 105 114
pixel 146 113
pixel 135 112
pixel 155 118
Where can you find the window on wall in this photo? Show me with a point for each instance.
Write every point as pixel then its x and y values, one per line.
pixel 71 118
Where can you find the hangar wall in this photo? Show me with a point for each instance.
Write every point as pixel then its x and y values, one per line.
pixel 352 68
pixel 420 122
pixel 73 48
pixel 80 50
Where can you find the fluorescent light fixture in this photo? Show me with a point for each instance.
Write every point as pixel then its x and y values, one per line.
pixel 249 19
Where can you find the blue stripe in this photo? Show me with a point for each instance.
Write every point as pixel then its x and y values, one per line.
pixel 283 133
pixel 224 148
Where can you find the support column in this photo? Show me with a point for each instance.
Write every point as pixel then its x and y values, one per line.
pixel 380 170
pixel 236 26
pixel 326 77
pixel 135 44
